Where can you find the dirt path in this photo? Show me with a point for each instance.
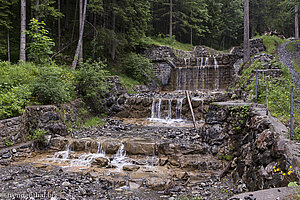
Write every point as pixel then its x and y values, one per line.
pixel 287 58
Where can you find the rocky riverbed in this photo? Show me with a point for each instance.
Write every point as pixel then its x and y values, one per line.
pixel 154 176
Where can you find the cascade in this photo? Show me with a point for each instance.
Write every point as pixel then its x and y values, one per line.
pixel 170 109
pixel 179 108
pixel 163 110
pixel 217 72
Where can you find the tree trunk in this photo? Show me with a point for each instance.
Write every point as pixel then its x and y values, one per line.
pixel 36 10
pixel 67 14
pixel 191 36
pixel 74 21
pixel 296 22
pixel 80 24
pixel 113 41
pixel 246 32
pixel 58 28
pixel 80 36
pixel 171 19
pixel 94 45
pixel 8 46
pixel 22 35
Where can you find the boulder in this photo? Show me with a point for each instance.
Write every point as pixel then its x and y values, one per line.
pixel 130 167
pixel 100 162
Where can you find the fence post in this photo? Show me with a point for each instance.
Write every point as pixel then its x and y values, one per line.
pixel 292 113
pixel 256 85
pixel 267 97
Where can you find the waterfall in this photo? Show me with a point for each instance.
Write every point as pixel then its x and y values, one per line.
pixel 100 149
pixel 206 61
pixel 170 109
pixel 153 109
pixel 120 155
pixel 179 108
pixel 185 61
pixel 217 73
pixel 201 65
pixel 178 78
pixel 158 109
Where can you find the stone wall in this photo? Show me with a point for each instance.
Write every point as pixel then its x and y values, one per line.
pixel 256 46
pixel 11 131
pixel 253 142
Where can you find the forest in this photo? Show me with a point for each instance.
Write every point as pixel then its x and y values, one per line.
pixel 113 27
pixel 106 37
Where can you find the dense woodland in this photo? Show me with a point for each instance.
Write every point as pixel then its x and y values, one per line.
pixel 69 46
pixel 115 27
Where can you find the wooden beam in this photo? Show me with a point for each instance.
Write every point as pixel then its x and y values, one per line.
pixel 191 108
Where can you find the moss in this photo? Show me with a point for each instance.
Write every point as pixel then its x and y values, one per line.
pixel 166 41
pixel 94 121
pixel 128 83
pixel 271 43
pixel 226 157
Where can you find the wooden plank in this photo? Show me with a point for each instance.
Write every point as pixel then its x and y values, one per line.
pixel 191 108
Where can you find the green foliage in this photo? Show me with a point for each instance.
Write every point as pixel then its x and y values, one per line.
pixel 38 135
pixel 297 133
pixel 53 85
pixel 15 75
pixel 13 101
pixel 15 91
pixel 128 83
pixel 279 89
pixel 91 85
pixel 9 143
pixel 162 40
pixel 226 157
pixel 94 121
pixel 41 44
pixel 138 67
pixel 44 9
pixel 271 43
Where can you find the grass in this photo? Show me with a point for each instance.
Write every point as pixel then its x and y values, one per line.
pixel 128 83
pixel 279 91
pixel 94 121
pixel 292 46
pixel 271 43
pixel 166 41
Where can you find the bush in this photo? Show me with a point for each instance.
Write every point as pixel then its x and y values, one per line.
pixel 15 91
pixel 90 83
pixel 39 49
pixel 138 67
pixel 13 101
pixel 14 75
pixel 53 85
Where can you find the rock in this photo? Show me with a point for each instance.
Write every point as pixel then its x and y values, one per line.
pixel 157 184
pixel 111 146
pixel 7 155
pixel 100 162
pixel 14 151
pixel 139 147
pixel 163 161
pixel 66 184
pixel 130 167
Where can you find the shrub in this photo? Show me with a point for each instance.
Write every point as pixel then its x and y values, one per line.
pixel 138 67
pixel 41 44
pixel 13 101
pixel 90 83
pixel 52 85
pixel 14 75
pixel 94 121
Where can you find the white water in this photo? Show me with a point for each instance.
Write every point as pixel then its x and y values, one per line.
pixel 217 72
pixel 161 110
pixel 86 159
